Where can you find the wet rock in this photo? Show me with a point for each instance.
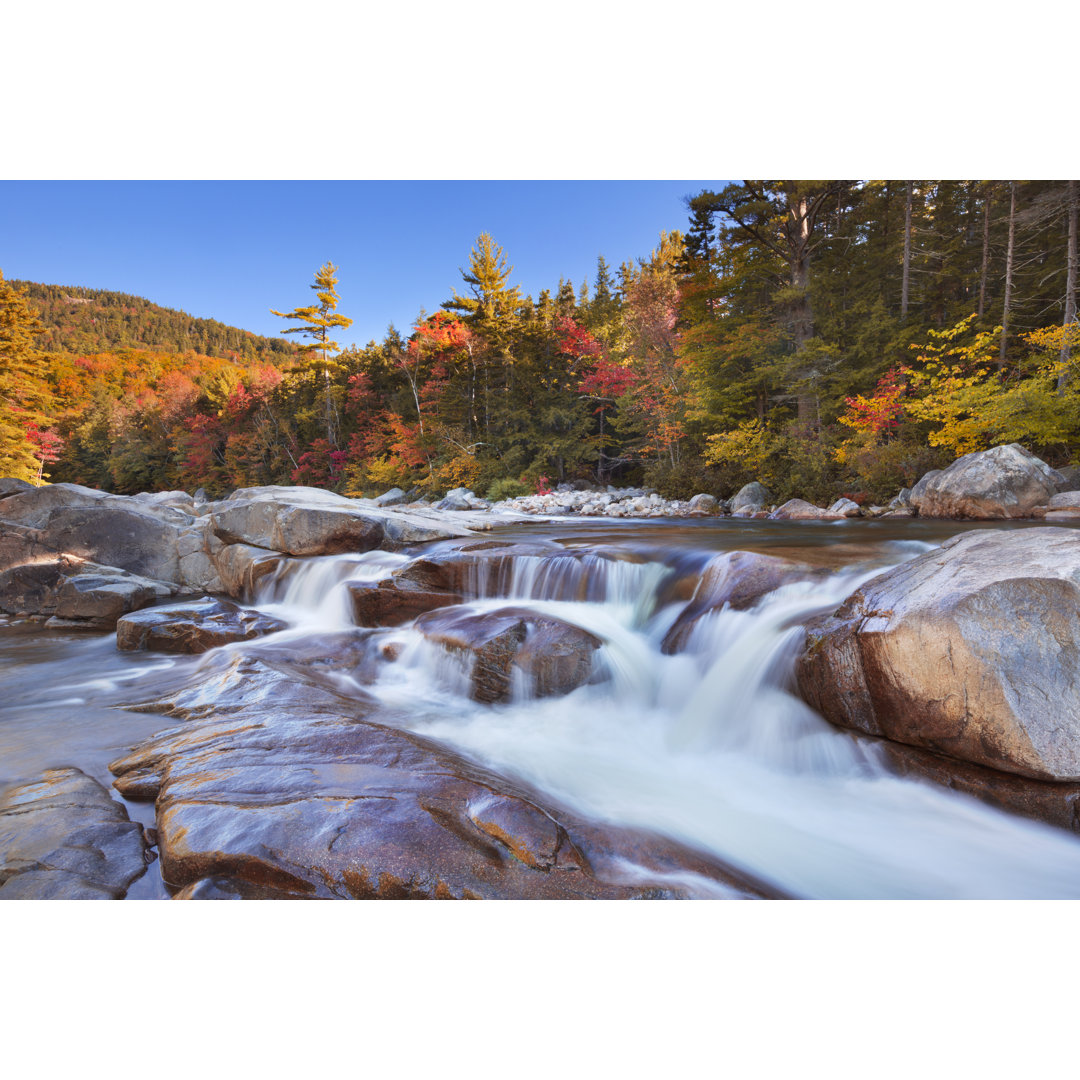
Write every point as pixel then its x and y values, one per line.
pixel 705 504
pixel 271 802
pixel 753 495
pixel 479 569
pixel 394 601
pixel 1041 800
pixel 63 837
pixel 972 649
pixel 240 567
pixel 800 510
pixel 553 657
pixel 1004 482
pixel 736 579
pixel 193 627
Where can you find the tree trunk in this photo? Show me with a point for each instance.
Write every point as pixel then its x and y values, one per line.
pixel 907 253
pixel 802 315
pixel 1070 289
pixel 1008 274
pixel 985 252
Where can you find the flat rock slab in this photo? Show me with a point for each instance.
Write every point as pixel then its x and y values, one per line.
pixel 392 602
pixel 193 627
pixel 306 803
pixel 62 837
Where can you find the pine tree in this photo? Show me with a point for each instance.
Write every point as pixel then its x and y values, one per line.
pixel 23 391
pixel 317 321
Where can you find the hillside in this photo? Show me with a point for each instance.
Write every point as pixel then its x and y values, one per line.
pixel 83 321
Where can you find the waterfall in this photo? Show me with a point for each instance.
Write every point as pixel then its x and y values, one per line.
pixel 708 745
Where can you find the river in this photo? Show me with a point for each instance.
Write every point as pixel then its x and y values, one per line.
pixel 707 746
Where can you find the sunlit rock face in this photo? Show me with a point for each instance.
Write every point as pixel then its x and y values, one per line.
pixel 1004 482
pixel 972 649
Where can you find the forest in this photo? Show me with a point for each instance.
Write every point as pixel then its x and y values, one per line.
pixel 825 337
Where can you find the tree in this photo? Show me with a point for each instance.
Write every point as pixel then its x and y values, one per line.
pixel 24 393
pixel 317 322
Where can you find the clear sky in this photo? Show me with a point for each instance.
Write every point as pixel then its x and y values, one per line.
pixel 232 250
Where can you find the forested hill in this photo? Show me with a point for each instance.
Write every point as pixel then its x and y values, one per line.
pixel 85 321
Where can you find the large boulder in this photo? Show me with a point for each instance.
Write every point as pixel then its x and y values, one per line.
pixel 314 800
pixel 9 485
pixel 280 525
pixel 109 529
pixel 194 627
pixel 62 837
pixel 1004 482
pixel 705 504
pixel 752 496
pixel 800 510
pixel 552 656
pixel 972 649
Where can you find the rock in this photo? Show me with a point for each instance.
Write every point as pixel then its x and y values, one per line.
pixel 704 504
pixel 63 837
pixel 194 627
pixel 280 525
pixel 241 567
pixel 902 500
pixel 972 649
pixel 10 486
pixel 798 510
pixel 736 579
pixel 1070 478
pixel 1042 800
pixel 394 601
pixel 1065 500
pixel 845 508
pixel 109 529
pixel 480 569
pixel 77 593
pixel 300 803
pixel 461 499
pixel 552 656
pixel 1004 482
pixel 751 495
pixel 393 497
pixel 100 599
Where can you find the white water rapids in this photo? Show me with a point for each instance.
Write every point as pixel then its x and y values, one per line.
pixel 707 746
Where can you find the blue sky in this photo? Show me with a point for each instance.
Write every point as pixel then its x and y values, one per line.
pixel 232 250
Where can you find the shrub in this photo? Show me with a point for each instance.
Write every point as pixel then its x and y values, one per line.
pixel 507 488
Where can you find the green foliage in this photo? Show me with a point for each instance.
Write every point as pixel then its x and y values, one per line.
pixel 507 488
pixel 83 321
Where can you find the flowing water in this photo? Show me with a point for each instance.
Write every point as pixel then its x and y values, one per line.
pixel 708 746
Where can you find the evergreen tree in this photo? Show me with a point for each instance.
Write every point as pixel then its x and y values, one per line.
pixel 317 321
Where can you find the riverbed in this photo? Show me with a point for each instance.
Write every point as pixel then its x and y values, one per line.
pixel 708 746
